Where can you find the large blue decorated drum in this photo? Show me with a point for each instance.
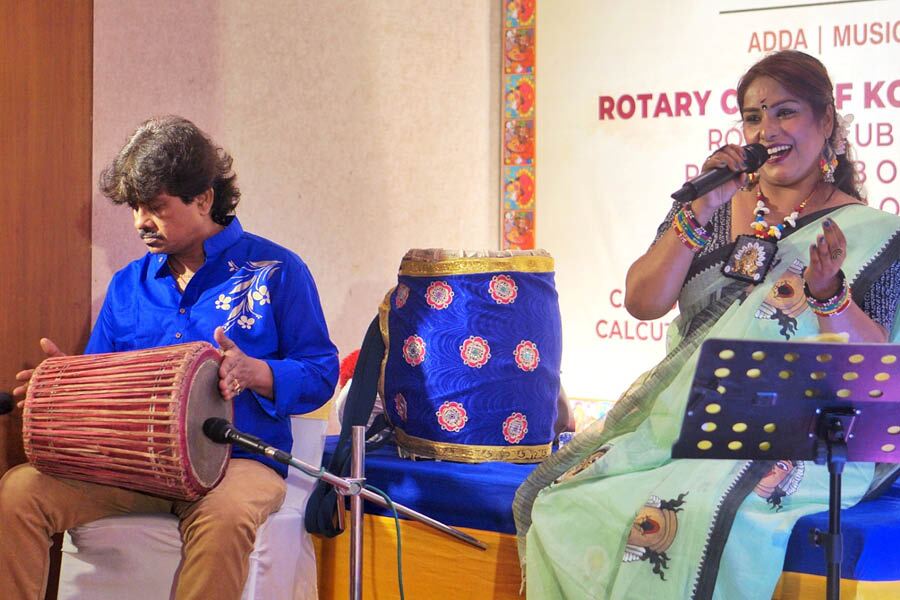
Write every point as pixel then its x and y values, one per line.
pixel 473 348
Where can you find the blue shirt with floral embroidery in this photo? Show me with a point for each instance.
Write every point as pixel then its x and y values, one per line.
pixel 263 295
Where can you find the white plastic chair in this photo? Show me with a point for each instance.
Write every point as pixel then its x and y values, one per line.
pixel 137 556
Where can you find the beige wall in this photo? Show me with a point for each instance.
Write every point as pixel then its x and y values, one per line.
pixel 359 128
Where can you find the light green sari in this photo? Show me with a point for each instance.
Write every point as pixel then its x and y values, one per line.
pixel 613 516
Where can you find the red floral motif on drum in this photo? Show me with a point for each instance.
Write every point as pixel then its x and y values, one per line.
pixel 402 295
pixel 414 350
pixel 515 427
pixel 503 289
pixel 452 416
pixel 400 405
pixel 439 295
pixel 527 355
pixel 475 351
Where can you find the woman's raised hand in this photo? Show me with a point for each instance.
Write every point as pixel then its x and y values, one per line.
pixel 825 259
pixel 731 156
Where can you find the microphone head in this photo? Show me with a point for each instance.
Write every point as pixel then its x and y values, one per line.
pixel 756 156
pixel 217 429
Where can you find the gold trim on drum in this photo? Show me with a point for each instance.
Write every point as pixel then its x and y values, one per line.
pixel 471 454
pixel 465 266
pixel 383 311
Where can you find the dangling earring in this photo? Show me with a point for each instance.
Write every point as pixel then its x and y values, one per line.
pixel 752 180
pixel 828 163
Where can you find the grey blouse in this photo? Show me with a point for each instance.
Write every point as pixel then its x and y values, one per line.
pixel 879 302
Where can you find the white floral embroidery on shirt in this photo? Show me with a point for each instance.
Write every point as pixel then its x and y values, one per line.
pixel 224 302
pixel 248 292
pixel 261 295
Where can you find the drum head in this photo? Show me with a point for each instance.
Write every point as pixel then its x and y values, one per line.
pixel 207 459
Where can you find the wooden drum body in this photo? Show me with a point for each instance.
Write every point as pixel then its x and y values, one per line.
pixel 129 419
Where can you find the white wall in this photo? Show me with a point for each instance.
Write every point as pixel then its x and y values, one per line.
pixel 359 128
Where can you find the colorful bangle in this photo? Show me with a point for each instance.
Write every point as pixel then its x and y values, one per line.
pixel 688 242
pixel 692 220
pixel 689 230
pixel 833 306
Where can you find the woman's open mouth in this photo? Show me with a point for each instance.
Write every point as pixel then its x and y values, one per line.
pixel 778 153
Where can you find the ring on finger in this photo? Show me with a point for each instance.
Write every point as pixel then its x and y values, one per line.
pixel 236 385
pixel 836 253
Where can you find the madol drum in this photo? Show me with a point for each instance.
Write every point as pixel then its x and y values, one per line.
pixel 129 419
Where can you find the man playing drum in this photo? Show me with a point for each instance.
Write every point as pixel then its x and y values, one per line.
pixel 203 279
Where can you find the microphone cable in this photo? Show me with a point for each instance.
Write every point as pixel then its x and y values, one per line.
pixel 222 432
pixel 396 516
pixel 390 503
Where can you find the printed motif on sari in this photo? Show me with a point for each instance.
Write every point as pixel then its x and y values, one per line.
pixel 653 531
pixel 782 480
pixel 785 301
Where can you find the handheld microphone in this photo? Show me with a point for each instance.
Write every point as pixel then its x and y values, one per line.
pixel 755 156
pixel 6 403
pixel 222 432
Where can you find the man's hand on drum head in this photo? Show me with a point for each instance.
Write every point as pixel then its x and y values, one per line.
pixel 239 372
pixel 51 350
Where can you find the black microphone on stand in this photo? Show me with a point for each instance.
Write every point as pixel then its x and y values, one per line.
pixel 222 432
pixel 6 403
pixel 755 155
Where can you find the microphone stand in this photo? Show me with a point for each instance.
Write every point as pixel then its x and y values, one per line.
pixel 354 486
pixel 357 476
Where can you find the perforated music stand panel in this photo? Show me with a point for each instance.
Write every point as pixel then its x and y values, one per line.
pixel 765 400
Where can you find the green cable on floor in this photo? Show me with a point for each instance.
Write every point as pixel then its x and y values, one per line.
pixel 390 504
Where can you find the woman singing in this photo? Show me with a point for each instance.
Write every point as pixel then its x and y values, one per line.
pixel 785 254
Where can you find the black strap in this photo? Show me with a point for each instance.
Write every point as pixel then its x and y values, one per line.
pixel 323 502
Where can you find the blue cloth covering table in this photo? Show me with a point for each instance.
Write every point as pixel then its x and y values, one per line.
pixel 478 498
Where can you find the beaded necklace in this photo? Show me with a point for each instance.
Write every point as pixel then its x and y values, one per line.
pixel 764 230
pixel 751 256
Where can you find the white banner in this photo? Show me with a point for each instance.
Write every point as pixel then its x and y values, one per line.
pixel 632 97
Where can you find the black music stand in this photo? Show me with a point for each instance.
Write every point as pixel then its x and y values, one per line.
pixel 826 402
